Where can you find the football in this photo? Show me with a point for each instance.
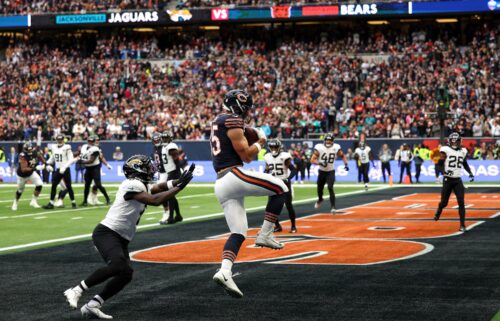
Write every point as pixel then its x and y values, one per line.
pixel 251 135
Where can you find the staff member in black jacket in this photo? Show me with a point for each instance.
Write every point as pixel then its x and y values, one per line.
pixel 405 159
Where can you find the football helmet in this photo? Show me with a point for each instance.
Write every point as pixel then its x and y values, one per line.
pixel 362 145
pixel 274 146
pixel 28 148
pixel 454 140
pixel 329 138
pixel 139 167
pixel 166 137
pixel 60 140
pixel 91 140
pixel 238 102
pixel 156 139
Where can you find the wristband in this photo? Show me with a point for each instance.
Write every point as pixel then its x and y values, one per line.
pixel 258 146
pixel 170 185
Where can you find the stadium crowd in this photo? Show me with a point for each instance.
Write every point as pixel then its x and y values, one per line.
pixel 84 6
pixel 103 86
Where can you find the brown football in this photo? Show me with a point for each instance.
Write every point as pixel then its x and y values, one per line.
pixel 251 135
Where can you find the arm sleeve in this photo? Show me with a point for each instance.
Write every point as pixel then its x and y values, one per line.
pixel 233 122
pixel 293 171
pixel 467 167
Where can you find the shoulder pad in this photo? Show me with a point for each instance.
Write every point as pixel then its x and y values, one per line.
pixel 133 185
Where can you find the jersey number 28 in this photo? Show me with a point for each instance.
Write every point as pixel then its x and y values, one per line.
pixel 456 162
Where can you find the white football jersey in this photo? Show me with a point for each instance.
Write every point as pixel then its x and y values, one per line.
pixel 167 160
pixel 327 156
pixel 363 154
pixel 123 216
pixel 406 156
pixel 62 156
pixel 87 152
pixel 454 161
pixel 277 164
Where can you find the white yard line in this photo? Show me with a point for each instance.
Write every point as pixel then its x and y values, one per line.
pixel 47 196
pixel 140 227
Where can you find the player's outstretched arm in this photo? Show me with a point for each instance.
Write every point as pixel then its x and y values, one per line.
pixel 240 144
pixel 314 158
pixel 185 178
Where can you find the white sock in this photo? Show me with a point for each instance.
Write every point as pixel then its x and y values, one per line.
pixel 166 215
pixel 82 287
pixel 51 202
pixel 267 227
pixel 34 198
pixel 226 265
pixel 96 302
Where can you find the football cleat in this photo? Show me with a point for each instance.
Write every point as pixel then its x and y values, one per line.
pixel 91 200
pixel 178 218
pixel 59 203
pixel 73 205
pixel 34 204
pixel 94 313
pixel 84 204
pixel 333 210
pixel 48 206
pixel 14 206
pixel 436 216
pixel 293 229
pixel 462 228
pixel 366 187
pixel 224 278
pixel 318 204
pixel 72 297
pixel 267 240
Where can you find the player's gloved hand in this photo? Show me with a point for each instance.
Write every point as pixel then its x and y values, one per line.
pixel 186 177
pixel 109 166
pixel 261 134
pixel 62 170
pixel 346 168
pixel 49 168
pixel 40 167
pixel 471 177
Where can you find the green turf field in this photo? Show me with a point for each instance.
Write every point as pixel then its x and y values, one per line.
pixel 29 228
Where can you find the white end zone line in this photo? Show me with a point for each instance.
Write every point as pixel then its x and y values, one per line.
pixel 140 227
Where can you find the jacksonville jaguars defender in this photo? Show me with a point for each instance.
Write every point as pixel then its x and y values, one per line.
pixel 279 164
pixel 229 150
pixel 112 236
pixel 29 160
pixel 454 158
pixel 363 154
pixel 91 159
pixel 324 155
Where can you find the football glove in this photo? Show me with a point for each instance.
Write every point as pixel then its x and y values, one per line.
pixel 471 177
pixel 49 168
pixel 346 168
pixel 40 167
pixel 109 166
pixel 186 177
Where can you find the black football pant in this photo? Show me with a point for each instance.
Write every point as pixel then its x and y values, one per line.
pixel 386 166
pixel 329 179
pixel 173 203
pixel 418 169
pixel 113 248
pixel 56 179
pixel 455 185
pixel 364 169
pixel 405 166
pixel 308 168
pixel 288 203
pixel 93 173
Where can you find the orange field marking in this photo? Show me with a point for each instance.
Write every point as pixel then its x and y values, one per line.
pixel 353 252
pixel 422 197
pixel 374 233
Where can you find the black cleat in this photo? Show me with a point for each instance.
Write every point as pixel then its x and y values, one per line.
pixel 436 217
pixel 170 221
pixel 462 228
pixel 278 228
pixel 84 204
pixel 293 229
pixel 48 206
pixel 73 205
pixel 178 218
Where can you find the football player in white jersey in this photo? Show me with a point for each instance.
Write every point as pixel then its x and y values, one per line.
pixel 62 157
pixel 454 158
pixel 324 155
pixel 363 155
pixel 279 164
pixel 112 236
pixel 162 174
pixel 91 158
pixel 29 160
pixel 169 157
